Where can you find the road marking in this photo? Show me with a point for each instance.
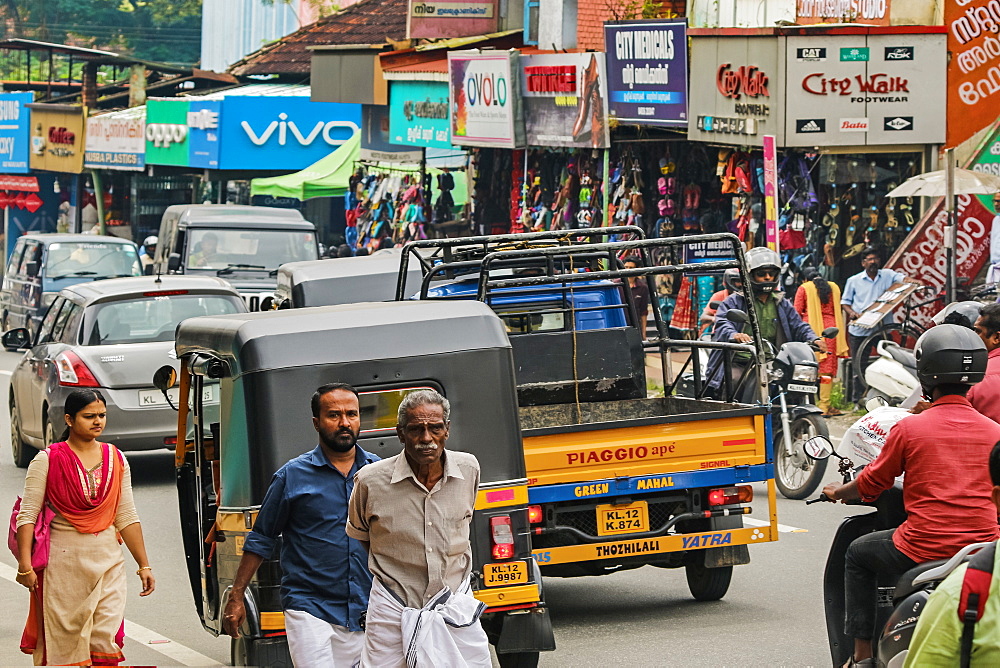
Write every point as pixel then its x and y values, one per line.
pixel 6 373
pixel 783 528
pixel 184 656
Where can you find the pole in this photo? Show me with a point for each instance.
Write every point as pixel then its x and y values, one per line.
pixel 606 187
pixel 98 200
pixel 949 228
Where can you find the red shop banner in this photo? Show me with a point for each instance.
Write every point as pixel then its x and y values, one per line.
pixel 974 69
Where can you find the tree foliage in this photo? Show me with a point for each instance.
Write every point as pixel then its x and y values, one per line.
pixel 160 30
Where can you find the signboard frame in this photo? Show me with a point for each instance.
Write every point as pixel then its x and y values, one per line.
pixel 657 103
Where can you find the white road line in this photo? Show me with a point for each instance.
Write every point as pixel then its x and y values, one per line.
pixel 6 373
pixel 783 528
pixel 184 656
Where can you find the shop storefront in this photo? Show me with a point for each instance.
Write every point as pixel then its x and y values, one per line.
pixel 213 145
pixel 115 157
pixel 56 160
pixel 20 195
pixel 854 111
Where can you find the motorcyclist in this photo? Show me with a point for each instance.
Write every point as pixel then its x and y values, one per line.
pixel 947 494
pixel 149 246
pixel 731 282
pixel 776 317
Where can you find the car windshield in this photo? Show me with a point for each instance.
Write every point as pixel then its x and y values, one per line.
pixel 262 250
pixel 153 317
pixel 93 259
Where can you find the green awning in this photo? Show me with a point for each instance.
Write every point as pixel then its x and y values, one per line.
pixel 328 177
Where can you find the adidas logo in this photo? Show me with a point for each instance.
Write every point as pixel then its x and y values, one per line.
pixel 810 125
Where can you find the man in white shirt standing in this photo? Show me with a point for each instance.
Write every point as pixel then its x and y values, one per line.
pixel 860 292
pixel 993 275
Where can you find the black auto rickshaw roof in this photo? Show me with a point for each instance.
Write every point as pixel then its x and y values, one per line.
pixel 261 341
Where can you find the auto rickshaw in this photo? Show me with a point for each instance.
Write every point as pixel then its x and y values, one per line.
pixel 267 366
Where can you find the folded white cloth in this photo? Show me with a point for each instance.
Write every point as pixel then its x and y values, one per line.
pixel 445 632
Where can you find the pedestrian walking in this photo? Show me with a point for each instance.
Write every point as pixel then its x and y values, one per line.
pixel 818 302
pixel 413 513
pixel 324 577
pixel 860 292
pixel 77 607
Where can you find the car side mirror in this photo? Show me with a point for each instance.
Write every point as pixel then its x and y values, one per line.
pixel 830 332
pixel 173 262
pixel 16 339
pixel 714 305
pixel 267 304
pixel 818 448
pixel 165 378
pixel 31 268
pixel 737 316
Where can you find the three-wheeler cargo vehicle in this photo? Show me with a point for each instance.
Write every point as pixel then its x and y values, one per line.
pixel 620 476
pixel 267 366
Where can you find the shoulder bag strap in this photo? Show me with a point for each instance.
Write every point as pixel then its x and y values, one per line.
pixel 972 602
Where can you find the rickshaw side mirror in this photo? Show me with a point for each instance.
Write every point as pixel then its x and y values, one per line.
pixel 830 332
pixel 165 378
pixel 173 262
pixel 737 316
pixel 267 304
pixel 818 448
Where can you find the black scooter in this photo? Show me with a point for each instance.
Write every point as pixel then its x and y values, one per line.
pixel 900 599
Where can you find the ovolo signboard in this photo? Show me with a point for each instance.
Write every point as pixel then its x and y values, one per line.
pixel 485 99
pixel 282 132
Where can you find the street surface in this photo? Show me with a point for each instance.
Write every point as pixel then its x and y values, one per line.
pixel 771 616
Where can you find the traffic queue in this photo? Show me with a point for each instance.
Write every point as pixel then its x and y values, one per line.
pixel 566 462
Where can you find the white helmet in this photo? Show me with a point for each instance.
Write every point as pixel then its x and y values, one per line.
pixel 150 241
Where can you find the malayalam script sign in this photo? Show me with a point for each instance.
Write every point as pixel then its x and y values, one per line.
pixel 117 140
pixel 647 71
pixel 484 96
pixel 974 67
pixel 869 12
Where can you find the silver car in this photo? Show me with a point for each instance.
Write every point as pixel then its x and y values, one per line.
pixel 111 336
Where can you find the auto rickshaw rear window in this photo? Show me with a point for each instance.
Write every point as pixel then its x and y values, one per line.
pixel 379 407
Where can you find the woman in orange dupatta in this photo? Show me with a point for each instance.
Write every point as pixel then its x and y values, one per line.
pixel 818 302
pixel 77 608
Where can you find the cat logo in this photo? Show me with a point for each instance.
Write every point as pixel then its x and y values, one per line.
pixel 810 54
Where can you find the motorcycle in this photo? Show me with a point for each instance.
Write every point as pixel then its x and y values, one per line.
pixel 794 382
pixel 893 375
pixel 900 600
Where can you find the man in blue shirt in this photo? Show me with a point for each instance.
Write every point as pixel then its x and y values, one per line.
pixel 325 579
pixel 860 292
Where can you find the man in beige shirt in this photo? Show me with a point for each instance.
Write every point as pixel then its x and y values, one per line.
pixel 412 512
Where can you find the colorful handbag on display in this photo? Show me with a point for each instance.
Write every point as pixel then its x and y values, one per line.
pixel 40 548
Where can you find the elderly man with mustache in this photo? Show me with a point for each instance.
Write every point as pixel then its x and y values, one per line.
pixel 413 513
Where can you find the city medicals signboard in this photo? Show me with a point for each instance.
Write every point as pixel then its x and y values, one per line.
pixel 852 90
pixel 15 132
pixel 647 72
pixel 565 100
pixel 418 114
pixel 117 140
pixel 484 99
pixel 282 132
pixel 184 133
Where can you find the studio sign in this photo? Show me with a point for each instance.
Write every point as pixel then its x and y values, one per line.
pixel 875 88
pixel 283 127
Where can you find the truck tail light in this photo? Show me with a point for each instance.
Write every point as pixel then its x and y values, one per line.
pixel 535 515
pixel 729 495
pixel 73 372
pixel 502 536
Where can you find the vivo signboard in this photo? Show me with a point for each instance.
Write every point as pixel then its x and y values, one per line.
pixel 282 132
pixel 15 132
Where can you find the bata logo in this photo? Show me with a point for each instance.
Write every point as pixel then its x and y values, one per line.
pixel 820 84
pixel 283 127
pixel 747 80
pixel 854 125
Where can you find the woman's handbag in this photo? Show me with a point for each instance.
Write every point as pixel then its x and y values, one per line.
pixel 40 548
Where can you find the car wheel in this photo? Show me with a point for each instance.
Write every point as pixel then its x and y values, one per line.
pixel 23 453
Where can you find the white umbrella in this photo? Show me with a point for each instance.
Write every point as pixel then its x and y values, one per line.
pixel 934 184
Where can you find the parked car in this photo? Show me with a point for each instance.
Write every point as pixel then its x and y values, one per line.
pixel 111 336
pixel 43 264
pixel 243 244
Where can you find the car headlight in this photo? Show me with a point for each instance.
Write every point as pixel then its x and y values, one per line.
pixel 48 298
pixel 805 373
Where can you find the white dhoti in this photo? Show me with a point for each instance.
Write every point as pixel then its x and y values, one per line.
pixel 445 632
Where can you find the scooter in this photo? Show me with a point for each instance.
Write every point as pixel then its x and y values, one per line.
pixel 893 375
pixel 900 600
